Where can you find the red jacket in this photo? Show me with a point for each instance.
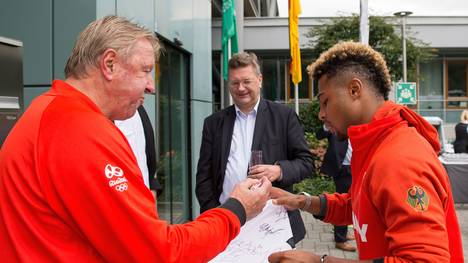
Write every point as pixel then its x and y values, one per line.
pixel 400 201
pixel 71 191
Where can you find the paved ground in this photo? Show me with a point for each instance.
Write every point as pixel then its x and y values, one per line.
pixel 319 237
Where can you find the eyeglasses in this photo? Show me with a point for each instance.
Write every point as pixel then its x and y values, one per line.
pixel 244 82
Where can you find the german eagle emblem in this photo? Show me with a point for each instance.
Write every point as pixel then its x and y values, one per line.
pixel 418 199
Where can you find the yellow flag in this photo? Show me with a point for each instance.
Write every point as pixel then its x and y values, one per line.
pixel 295 67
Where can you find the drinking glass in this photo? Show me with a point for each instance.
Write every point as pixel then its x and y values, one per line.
pixel 255 159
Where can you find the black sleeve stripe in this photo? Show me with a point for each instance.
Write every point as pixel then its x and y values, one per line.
pixel 237 208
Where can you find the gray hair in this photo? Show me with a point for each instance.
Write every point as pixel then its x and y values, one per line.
pixel 244 59
pixel 113 32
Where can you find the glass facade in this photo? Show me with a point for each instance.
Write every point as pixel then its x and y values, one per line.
pixel 277 83
pixel 431 88
pixel 274 78
pixel 173 85
pixel 217 78
pixel 457 84
pixel 442 88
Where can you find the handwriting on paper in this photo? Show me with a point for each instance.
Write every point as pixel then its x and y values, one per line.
pixel 267 229
pixel 265 234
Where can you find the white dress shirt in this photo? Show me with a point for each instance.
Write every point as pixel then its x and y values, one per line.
pixel 349 153
pixel 132 128
pixel 239 154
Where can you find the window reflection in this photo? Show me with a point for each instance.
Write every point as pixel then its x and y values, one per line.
pixel 457 84
pixel 173 145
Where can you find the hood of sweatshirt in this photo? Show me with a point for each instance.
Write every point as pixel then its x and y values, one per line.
pixel 387 117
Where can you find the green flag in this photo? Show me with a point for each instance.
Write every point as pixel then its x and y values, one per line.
pixel 229 33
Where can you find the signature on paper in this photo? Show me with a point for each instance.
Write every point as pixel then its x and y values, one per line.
pixel 280 215
pixel 267 229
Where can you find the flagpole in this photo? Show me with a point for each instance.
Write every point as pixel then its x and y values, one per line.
pixel 364 23
pixel 296 98
pixel 294 9
pixel 223 99
pixel 229 57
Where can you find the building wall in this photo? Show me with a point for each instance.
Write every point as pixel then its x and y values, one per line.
pixel 440 32
pixel 272 33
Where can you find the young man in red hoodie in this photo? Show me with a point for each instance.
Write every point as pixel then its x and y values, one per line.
pixel 400 201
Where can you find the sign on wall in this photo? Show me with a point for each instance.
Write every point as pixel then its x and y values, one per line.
pixel 405 92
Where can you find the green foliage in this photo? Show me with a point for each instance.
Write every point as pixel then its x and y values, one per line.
pixel 315 185
pixel 382 37
pixel 308 114
pixel 318 148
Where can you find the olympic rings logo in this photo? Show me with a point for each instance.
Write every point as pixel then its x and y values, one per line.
pixel 121 187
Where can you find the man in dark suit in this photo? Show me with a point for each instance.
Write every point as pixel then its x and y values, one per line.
pixel 336 163
pixel 251 123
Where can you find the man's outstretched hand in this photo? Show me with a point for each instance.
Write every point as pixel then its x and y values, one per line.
pixel 253 195
pixel 286 199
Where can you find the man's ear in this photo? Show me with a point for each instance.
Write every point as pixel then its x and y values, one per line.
pixel 260 79
pixel 355 88
pixel 107 63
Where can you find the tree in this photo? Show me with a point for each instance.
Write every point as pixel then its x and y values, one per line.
pixel 382 37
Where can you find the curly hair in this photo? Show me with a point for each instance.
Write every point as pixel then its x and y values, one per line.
pixel 356 58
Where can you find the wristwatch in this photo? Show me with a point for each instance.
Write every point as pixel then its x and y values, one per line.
pixel 307 202
pixel 322 258
pixel 281 171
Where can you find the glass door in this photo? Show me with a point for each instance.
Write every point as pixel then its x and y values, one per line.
pixel 173 85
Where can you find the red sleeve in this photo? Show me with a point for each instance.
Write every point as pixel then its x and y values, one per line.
pixel 336 204
pixel 91 180
pixel 411 201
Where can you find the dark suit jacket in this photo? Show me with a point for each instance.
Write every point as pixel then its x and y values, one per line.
pixel 336 152
pixel 150 150
pixel 280 137
pixel 460 145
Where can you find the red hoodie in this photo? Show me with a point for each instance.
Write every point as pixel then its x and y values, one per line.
pixel 400 201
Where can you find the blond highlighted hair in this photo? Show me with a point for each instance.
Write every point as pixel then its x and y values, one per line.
pixel 355 58
pixel 113 32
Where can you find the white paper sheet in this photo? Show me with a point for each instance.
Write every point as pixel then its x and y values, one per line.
pixel 259 237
